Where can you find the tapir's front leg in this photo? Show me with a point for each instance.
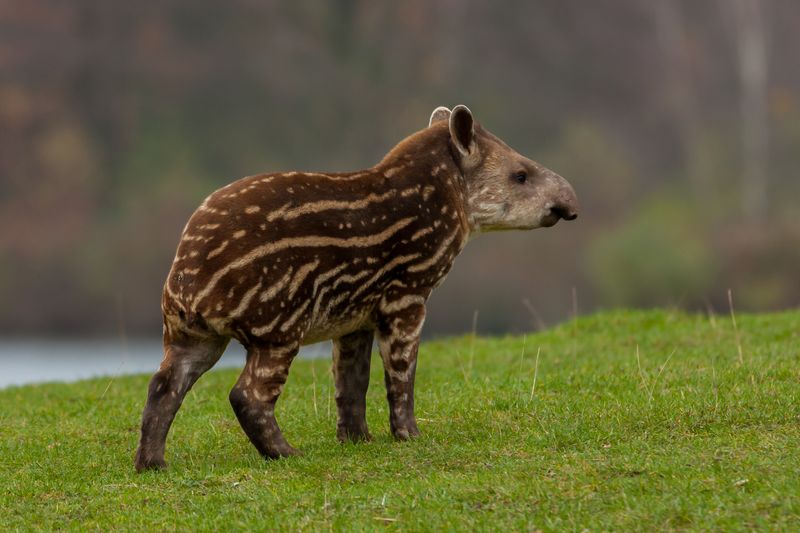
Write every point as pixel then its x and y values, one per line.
pixel 399 327
pixel 351 358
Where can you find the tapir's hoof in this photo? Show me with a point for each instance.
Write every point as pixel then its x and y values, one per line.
pixel 292 452
pixel 145 463
pixel 405 433
pixel 283 450
pixel 354 437
pixel 345 434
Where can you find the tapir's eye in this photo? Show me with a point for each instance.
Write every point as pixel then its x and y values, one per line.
pixel 520 177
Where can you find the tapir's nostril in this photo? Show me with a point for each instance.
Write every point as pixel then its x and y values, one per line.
pixel 564 212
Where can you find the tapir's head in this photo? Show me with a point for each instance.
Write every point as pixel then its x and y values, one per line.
pixel 505 190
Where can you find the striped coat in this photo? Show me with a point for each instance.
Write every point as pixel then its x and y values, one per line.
pixel 280 260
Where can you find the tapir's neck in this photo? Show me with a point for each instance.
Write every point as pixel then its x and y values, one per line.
pixel 426 158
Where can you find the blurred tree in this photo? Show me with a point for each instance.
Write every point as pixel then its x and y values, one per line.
pixel 681 95
pixel 749 34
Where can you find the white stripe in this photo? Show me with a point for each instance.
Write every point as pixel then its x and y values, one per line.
pixel 347 278
pixel 386 268
pixel 270 293
pixel 421 233
pixel 285 213
pixel 245 301
pixel 292 319
pixel 205 207
pixel 341 177
pixel 279 212
pixel 438 255
pixel 302 272
pixel 265 329
pixel 218 250
pixel 402 303
pixel 318 303
pixel 325 276
pixel 334 302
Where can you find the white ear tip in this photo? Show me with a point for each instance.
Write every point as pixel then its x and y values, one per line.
pixel 440 113
pixel 460 108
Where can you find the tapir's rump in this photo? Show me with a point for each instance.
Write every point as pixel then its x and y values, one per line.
pixel 279 260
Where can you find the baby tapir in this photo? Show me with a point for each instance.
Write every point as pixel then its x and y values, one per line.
pixel 276 261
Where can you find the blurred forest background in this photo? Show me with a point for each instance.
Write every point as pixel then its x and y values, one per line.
pixel 677 122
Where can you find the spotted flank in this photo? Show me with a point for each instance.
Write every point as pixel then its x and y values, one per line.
pixel 278 260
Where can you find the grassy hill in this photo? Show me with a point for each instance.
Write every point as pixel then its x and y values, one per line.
pixel 627 421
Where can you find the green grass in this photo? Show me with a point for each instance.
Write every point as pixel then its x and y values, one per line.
pixel 688 435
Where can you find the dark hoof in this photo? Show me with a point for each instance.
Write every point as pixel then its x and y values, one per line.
pixel 405 433
pixel 149 463
pixel 289 452
pixel 353 435
pixel 282 451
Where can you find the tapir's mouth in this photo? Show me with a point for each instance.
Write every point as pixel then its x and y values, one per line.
pixel 550 220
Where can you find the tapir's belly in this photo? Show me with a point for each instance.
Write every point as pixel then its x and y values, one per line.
pixel 335 313
pixel 336 327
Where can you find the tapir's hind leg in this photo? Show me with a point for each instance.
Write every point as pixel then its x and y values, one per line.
pixel 351 358
pixel 255 393
pixel 186 358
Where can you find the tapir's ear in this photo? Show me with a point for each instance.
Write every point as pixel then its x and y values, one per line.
pixel 440 113
pixel 461 129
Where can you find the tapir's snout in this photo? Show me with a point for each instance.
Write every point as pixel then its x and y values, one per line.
pixel 566 202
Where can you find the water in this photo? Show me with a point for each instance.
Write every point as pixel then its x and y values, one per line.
pixel 37 361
